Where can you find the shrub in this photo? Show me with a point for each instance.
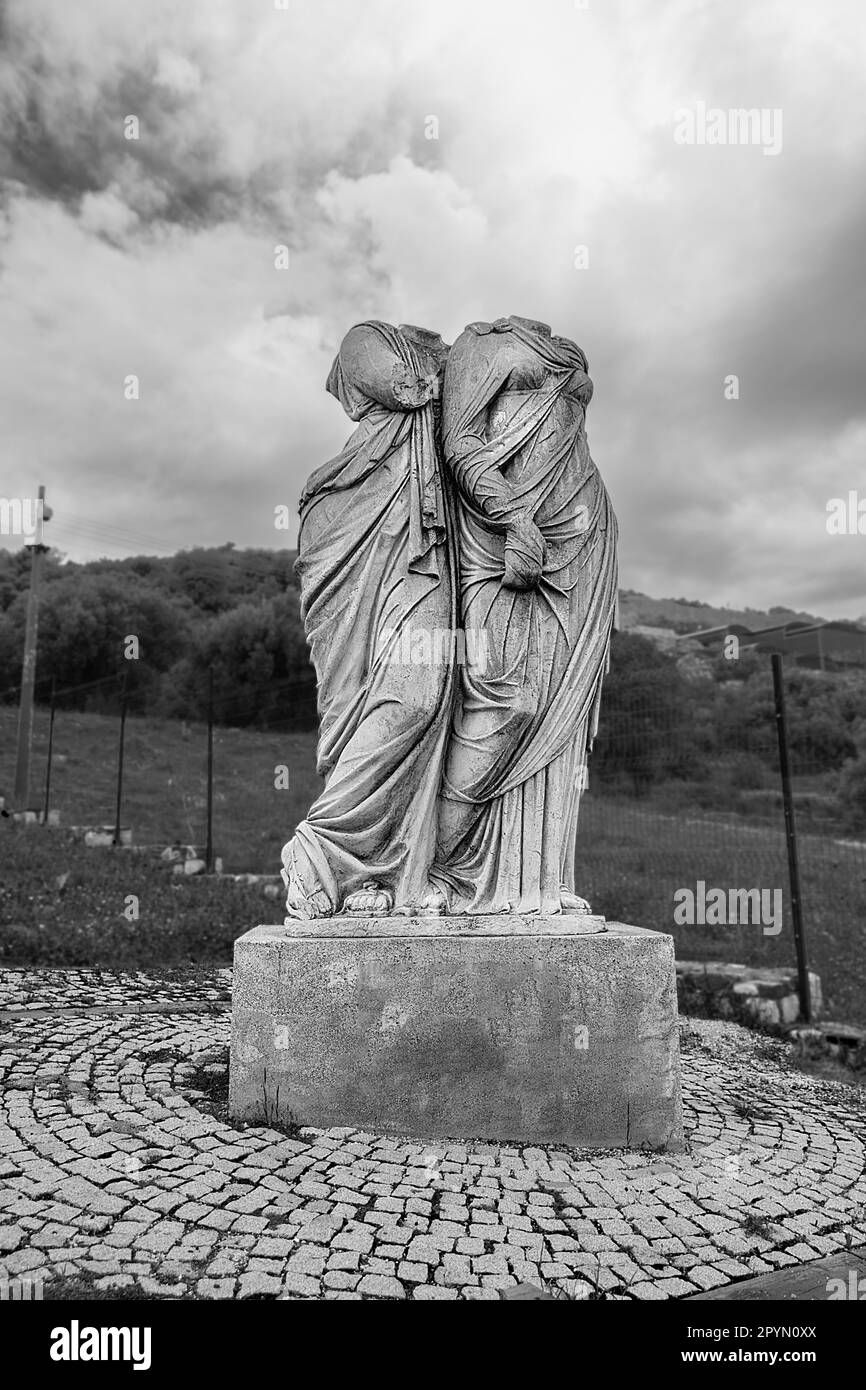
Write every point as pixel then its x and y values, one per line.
pixel 852 792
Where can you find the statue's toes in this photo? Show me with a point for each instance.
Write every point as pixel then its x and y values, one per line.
pixel 572 903
pixel 432 904
pixel 369 901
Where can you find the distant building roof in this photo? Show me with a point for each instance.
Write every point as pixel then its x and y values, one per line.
pixel 708 635
pixel 837 640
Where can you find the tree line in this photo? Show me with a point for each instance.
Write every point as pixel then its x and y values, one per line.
pixel 665 718
pixel 233 612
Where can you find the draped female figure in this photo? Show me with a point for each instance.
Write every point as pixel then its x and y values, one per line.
pixel 375 567
pixel 536 542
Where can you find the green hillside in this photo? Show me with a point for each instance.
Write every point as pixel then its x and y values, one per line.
pixel 684 615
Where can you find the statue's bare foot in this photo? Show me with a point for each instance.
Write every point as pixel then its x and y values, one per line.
pixel 573 904
pixel 302 906
pixel 431 903
pixel 371 900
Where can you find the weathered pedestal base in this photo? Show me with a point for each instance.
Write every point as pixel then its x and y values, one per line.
pixel 519 1029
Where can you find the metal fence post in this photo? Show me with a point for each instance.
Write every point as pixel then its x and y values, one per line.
pixel 116 839
pixel 50 752
pixel 791 841
pixel 208 854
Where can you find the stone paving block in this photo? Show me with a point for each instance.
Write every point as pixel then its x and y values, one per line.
pixel 296 1284
pixel 307 1259
pixel 647 1291
pixel 389 1252
pixel 10 1237
pixel 340 1279
pixel 343 1259
pixel 423 1252
pixel 381 1286
pixel 353 1240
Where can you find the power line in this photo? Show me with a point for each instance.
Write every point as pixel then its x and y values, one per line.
pixel 108 529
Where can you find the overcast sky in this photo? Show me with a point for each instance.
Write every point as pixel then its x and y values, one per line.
pixel 307 126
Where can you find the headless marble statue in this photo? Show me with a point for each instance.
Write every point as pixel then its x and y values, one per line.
pixel 454 786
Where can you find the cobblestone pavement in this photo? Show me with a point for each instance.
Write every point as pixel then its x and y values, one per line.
pixel 84 989
pixel 119 1167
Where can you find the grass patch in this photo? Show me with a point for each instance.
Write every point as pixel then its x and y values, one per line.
pixel 181 921
pixel 757 1225
pixel 206 1085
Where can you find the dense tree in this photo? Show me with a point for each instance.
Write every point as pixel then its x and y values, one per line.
pixel 84 621
pixel 15 573
pixel 259 658
pixel 643 730
pixel 821 713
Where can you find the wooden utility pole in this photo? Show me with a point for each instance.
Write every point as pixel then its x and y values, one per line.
pixel 28 669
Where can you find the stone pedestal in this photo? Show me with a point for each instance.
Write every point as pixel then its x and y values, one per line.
pixel 519 1029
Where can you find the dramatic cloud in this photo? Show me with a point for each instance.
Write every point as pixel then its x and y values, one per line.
pixel 553 128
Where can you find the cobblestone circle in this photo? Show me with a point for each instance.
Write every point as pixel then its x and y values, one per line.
pixel 120 1171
